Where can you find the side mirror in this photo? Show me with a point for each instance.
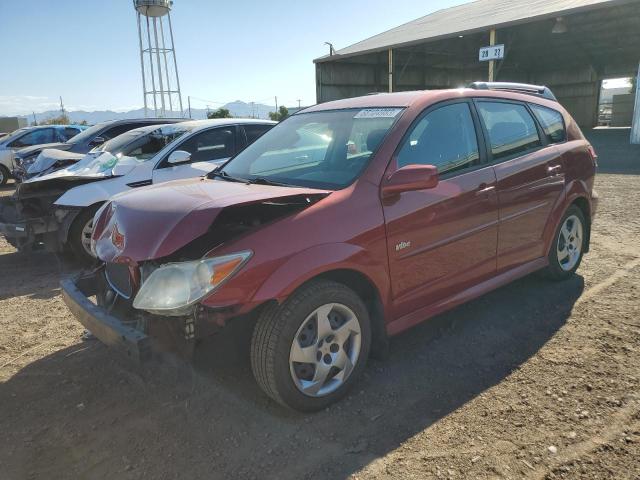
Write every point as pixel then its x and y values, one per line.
pixel 179 156
pixel 410 178
pixel 97 141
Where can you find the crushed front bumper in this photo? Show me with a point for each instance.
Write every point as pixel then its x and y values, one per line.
pixel 27 234
pixel 107 328
pixel 46 232
pixel 19 173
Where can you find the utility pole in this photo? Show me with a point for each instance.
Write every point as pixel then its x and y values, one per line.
pixel 492 41
pixel 189 103
pixel 390 70
pixel 276 104
pixel 299 104
pixel 635 125
pixel 61 107
pixel 35 122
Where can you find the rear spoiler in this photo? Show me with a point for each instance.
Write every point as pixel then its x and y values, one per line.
pixel 538 90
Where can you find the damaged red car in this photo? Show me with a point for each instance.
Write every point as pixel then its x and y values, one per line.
pixel 347 223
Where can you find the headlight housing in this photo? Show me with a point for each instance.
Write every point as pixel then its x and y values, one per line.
pixel 173 288
pixel 25 162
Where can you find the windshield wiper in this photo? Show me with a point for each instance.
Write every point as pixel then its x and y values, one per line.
pixel 266 181
pixel 225 176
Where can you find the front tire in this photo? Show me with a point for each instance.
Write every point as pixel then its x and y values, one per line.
pixel 568 245
pixel 79 238
pixel 4 175
pixel 308 352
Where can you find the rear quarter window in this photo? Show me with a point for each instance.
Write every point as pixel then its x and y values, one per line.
pixel 511 129
pixel 552 123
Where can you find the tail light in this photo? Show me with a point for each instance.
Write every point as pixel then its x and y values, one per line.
pixel 594 155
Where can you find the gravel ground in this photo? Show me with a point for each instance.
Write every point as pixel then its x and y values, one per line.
pixel 535 380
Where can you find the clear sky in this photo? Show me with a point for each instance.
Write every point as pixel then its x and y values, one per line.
pixel 250 50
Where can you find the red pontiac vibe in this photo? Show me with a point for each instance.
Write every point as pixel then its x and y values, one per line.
pixel 347 223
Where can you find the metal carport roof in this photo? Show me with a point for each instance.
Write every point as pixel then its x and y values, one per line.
pixel 468 18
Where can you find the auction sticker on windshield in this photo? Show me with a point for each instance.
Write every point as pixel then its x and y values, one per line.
pixel 378 113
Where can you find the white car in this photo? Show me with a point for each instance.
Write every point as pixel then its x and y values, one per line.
pixel 55 211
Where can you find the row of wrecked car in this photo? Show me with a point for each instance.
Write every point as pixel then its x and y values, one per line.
pixel 61 189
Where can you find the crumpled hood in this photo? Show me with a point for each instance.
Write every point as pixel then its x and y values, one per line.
pixel 153 222
pixel 48 158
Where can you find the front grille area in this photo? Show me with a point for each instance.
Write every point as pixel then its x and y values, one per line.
pixel 119 277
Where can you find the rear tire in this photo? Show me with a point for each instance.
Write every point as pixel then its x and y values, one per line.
pixel 79 237
pixel 325 325
pixel 569 243
pixel 4 175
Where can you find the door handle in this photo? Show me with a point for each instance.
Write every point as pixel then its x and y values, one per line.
pixel 484 190
pixel 554 170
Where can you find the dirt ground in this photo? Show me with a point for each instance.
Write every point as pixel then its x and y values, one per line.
pixel 536 380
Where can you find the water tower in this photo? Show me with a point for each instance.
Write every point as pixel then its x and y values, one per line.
pixel 160 82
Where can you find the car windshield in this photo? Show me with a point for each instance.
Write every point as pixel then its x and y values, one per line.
pixel 16 133
pixel 88 134
pixel 144 143
pixel 326 149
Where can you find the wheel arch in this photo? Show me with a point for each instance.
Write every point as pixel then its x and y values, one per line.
pixel 344 263
pixel 583 204
pixel 576 194
pixel 368 292
pixel 68 221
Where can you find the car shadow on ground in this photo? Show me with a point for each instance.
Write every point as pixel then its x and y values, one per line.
pixel 35 274
pixel 10 186
pixel 92 413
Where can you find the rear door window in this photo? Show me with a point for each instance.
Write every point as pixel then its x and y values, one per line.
pixel 119 130
pixel 253 132
pixel 210 145
pixel 511 128
pixel 445 138
pixel 552 123
pixel 35 137
pixel 67 133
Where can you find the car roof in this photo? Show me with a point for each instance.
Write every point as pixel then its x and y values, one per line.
pixel 196 125
pixel 40 127
pixel 213 122
pixel 406 99
pixel 155 121
pixel 148 128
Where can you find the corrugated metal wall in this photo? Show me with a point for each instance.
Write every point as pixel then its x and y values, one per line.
pixel 576 89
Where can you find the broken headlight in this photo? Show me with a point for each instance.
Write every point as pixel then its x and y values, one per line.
pixel 172 288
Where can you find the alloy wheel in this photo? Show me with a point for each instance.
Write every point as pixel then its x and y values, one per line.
pixel 325 350
pixel 569 245
pixel 85 240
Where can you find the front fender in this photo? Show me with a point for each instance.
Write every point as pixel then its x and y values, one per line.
pixel 93 192
pixel 322 259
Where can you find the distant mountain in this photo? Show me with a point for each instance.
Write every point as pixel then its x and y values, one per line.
pixel 238 109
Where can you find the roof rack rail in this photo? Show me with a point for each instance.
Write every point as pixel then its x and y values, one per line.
pixel 539 90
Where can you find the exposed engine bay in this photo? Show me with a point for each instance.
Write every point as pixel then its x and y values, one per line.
pixel 119 282
pixel 30 220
